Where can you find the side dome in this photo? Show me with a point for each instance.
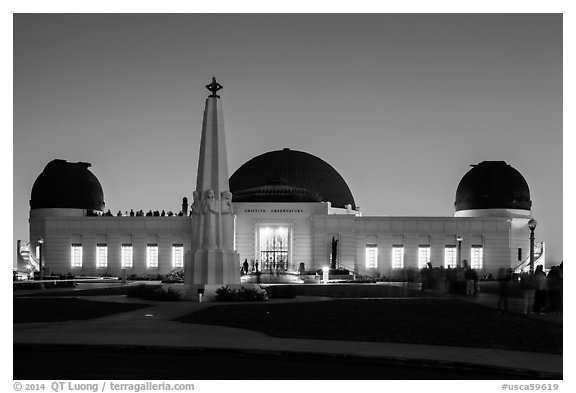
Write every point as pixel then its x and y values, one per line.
pixel 289 176
pixel 67 185
pixel 492 185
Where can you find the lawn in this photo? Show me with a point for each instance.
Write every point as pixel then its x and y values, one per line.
pixel 418 321
pixel 106 291
pixel 64 309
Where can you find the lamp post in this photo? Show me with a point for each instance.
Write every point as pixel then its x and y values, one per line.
pixel 532 225
pixel 41 272
pixel 459 250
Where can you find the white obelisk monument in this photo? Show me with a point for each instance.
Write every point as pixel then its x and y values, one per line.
pixel 212 261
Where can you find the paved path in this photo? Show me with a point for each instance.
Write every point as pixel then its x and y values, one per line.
pixel 154 327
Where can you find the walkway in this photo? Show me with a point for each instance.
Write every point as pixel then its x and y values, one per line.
pixel 154 327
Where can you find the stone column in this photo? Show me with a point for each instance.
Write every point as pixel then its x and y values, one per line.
pixel 212 262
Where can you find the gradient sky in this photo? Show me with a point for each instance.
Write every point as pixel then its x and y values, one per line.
pixel 399 104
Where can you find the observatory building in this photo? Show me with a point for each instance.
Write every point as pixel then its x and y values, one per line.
pixel 292 211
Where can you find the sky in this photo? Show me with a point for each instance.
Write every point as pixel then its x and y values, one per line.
pixel 399 104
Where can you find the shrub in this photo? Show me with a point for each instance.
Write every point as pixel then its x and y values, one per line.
pixel 227 294
pixel 281 291
pixel 148 277
pixel 166 294
pixel 154 292
pixel 174 276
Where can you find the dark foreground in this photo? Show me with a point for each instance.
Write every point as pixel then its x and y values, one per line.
pixel 146 363
pixel 58 309
pixel 416 321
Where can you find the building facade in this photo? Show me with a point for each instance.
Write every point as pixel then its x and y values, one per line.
pixel 281 229
pixel 292 212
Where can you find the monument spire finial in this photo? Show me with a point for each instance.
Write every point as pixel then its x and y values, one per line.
pixel 214 87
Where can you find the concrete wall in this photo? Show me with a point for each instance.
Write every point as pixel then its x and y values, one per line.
pixel 60 232
pixel 520 238
pixel 494 234
pixel 311 226
pixel 251 216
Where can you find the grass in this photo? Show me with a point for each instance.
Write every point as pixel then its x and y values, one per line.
pixel 418 321
pixel 65 309
pixel 107 291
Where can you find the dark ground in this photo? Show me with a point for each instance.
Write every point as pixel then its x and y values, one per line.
pixel 47 309
pixel 72 362
pixel 108 291
pixel 417 321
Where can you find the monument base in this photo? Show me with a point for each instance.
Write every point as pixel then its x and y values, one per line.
pixel 207 270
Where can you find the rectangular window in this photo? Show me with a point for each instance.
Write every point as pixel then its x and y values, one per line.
pixel 76 255
pixel 152 256
pixel 126 256
pixel 423 256
pixel 450 257
pixel 477 257
pixel 37 253
pixel 397 256
pixel 101 255
pixel 177 255
pixel 371 256
pixel 519 254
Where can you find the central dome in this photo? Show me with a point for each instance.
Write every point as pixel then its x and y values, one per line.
pixel 289 176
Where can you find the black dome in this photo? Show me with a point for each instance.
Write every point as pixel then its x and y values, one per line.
pixel 289 176
pixel 492 185
pixel 67 185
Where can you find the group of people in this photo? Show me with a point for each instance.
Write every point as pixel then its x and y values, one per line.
pixel 444 281
pixel 140 213
pixel 541 293
pixel 246 268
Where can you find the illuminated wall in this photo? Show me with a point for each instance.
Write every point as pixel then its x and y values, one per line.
pixel 310 229
pixel 252 217
pixel 93 233
pixel 493 234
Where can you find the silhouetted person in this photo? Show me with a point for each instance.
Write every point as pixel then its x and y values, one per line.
pixel 527 285
pixel 554 285
pixel 119 214
pixel 471 278
pixel 459 281
pixel 131 213
pixel 163 213
pixel 149 214
pixel 503 286
pixel 540 287
pixel 245 266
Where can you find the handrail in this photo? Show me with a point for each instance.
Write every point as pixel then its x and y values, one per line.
pixel 538 254
pixel 27 257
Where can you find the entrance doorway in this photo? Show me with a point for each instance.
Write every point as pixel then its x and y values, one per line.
pixel 274 248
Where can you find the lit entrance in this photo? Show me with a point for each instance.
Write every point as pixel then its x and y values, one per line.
pixel 274 248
